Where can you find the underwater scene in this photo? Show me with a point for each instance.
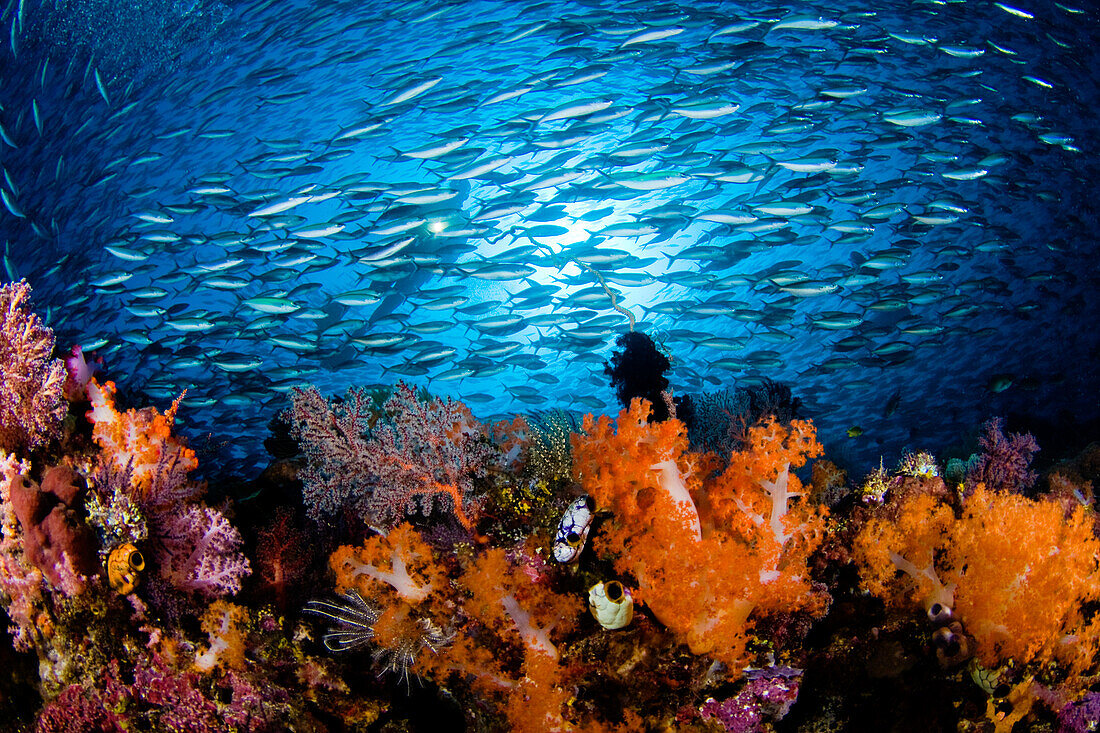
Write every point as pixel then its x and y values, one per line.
pixel 561 365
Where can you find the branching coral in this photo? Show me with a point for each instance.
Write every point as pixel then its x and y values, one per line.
pixel 197 551
pixel 910 543
pixel 31 401
pixel 223 624
pixel 424 452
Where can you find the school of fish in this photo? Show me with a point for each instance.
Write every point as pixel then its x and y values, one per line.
pixel 889 207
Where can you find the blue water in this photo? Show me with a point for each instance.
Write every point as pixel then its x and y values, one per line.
pixel 155 129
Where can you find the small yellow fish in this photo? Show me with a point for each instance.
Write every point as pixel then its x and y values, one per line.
pixel 855 431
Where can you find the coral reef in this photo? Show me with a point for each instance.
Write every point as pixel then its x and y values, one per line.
pixel 1004 461
pixel 540 573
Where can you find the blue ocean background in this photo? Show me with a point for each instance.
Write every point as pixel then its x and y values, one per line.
pixel 889 207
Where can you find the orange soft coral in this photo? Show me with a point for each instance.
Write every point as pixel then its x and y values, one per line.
pixel 139 438
pixel 224 624
pixel 507 599
pixel 704 571
pixel 1021 572
pixel 640 472
pixel 909 543
pixel 398 563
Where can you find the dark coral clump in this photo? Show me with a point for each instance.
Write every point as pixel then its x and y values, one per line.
pixel 638 370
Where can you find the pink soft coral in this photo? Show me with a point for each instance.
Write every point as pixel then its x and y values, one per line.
pixel 426 453
pixel 31 401
pixel 1005 459
pixel 197 550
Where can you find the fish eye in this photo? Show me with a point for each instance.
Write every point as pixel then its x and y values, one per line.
pixel 137 560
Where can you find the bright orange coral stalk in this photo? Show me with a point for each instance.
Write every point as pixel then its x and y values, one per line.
pixel 704 571
pixel 398 563
pixel 137 437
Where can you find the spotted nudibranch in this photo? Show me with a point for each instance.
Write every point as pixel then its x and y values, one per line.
pixel 611 604
pixel 573 529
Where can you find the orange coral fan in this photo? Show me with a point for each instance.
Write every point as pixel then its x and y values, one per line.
pixel 537 700
pixel 1020 569
pixel 141 438
pixel 398 562
pixel 703 571
pixel 758 484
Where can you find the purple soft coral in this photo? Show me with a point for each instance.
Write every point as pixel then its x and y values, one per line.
pixel 31 402
pixel 768 695
pixel 1081 716
pixel 1004 461
pixel 197 549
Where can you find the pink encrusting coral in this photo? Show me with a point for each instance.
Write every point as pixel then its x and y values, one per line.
pixel 31 382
